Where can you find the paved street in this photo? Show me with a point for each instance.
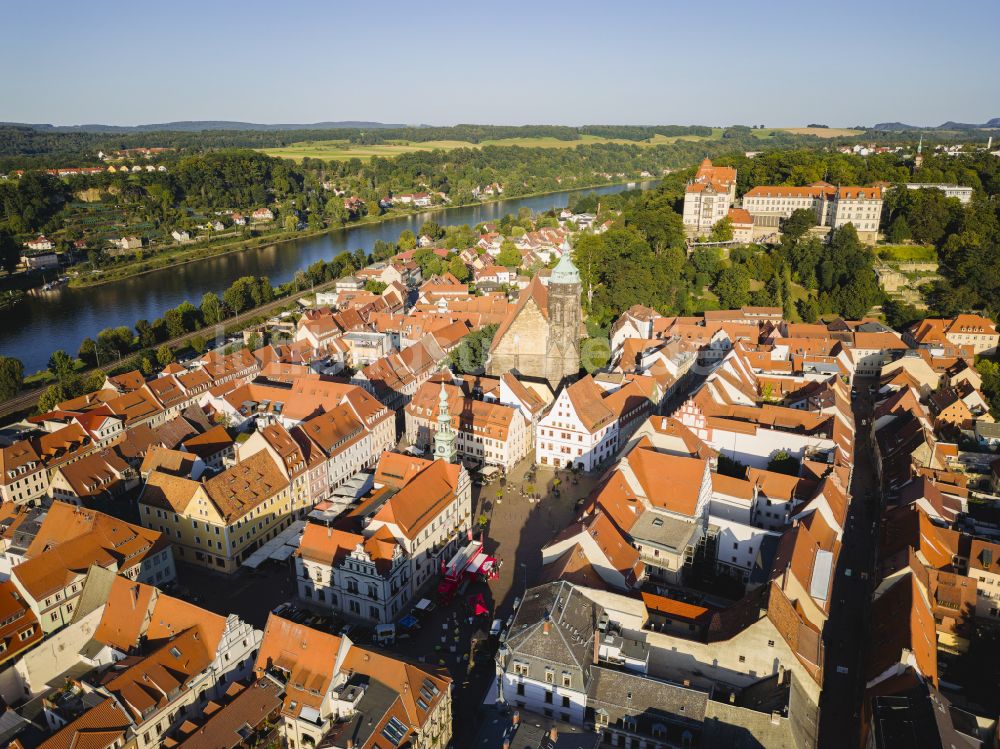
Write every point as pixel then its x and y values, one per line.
pixel 518 528
pixel 846 631
pixel 250 594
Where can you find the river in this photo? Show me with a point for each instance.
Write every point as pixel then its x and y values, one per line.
pixel 43 323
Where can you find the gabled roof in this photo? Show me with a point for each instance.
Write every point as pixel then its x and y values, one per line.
pixel 670 482
pixel 97 728
pixel 210 443
pixel 93 474
pixel 71 539
pixel 126 614
pixel 168 492
pixel 555 624
pixel 535 292
pixel 174 462
pixel 588 402
pixel 239 489
pixel 227 727
pixel 903 630
pixel 153 681
pixel 419 501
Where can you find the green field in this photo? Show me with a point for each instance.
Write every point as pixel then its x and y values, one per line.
pixel 341 150
pixel 907 253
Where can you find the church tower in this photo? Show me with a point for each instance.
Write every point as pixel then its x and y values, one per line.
pixel 919 160
pixel 444 441
pixel 565 316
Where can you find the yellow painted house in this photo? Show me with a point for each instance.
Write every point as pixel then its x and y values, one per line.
pixel 218 523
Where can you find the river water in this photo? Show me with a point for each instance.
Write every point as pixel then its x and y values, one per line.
pixel 42 323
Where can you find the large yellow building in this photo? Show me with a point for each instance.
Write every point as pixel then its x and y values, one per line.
pixel 220 522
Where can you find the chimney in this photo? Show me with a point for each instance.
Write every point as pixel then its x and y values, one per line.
pixel 553 735
pixel 597 648
pixel 545 627
pixel 781 675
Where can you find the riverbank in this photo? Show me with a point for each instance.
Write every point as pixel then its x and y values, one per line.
pixel 24 403
pixel 179 256
pixel 62 319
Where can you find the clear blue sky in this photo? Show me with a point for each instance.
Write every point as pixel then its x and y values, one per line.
pixel 510 62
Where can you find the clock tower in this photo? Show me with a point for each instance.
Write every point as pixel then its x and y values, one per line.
pixel 444 441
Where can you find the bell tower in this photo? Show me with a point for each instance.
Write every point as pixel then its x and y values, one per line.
pixel 565 316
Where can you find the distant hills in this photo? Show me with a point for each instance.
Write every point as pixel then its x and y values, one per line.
pixel 191 126
pixel 199 125
pixel 902 126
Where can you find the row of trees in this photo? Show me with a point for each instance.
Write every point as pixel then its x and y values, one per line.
pixel 115 343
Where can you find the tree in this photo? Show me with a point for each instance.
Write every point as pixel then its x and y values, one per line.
pixel 88 352
pixel 470 355
pixel 146 362
pixel 190 316
pixel 707 260
pixel 383 250
pixel 145 334
pixel 114 342
pixel 240 294
pixel 458 269
pixel 782 462
pixel 175 323
pixel 808 309
pixel 797 224
pixel 164 355
pixel 10 253
pixel 509 255
pixel 52 396
pixel 11 377
pixel 375 287
pixel 199 344
pixel 733 287
pixel 407 240
pixel 899 230
pixel 290 222
pixel 900 315
pixel 722 231
pixel 61 365
pixel 265 292
pixel 729 467
pixel 211 308
pixel 335 211
pixel 990 372
pixel 432 230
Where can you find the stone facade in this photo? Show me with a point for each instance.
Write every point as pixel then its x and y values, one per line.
pixel 541 338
